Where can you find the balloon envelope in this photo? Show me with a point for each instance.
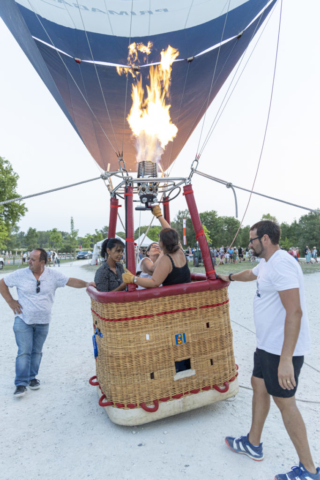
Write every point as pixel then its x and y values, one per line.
pixel 72 43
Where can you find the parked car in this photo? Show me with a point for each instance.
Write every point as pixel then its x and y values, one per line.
pixel 1 263
pixel 82 255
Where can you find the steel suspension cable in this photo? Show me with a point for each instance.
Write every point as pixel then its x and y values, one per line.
pixel 73 79
pixel 19 199
pixel 217 116
pixel 267 123
pixel 97 74
pixel 229 185
pixel 213 76
pixel 127 80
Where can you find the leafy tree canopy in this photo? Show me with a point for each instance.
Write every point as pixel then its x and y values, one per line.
pixel 10 213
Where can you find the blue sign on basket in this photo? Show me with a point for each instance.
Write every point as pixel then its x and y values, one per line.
pixel 180 338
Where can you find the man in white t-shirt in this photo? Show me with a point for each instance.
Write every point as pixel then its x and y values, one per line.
pixel 283 339
pixel 36 288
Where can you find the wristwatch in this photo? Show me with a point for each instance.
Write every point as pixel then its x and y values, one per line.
pixel 230 274
pixel 134 279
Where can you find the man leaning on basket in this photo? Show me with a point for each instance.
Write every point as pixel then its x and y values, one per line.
pixel 36 287
pixel 283 339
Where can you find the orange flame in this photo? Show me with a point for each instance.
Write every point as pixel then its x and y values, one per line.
pixel 149 117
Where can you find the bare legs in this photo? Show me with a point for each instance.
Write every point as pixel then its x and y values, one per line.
pixel 260 409
pixel 296 429
pixel 292 420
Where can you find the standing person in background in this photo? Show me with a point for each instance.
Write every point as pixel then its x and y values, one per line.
pixel 234 255
pixel 240 252
pixel 283 339
pixel 315 254
pixel 308 255
pixel 36 288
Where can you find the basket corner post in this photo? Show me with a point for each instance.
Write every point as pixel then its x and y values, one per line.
pixel 200 235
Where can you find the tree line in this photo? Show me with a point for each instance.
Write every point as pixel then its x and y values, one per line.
pixel 219 230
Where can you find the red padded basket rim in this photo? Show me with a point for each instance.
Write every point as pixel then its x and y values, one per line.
pixel 199 284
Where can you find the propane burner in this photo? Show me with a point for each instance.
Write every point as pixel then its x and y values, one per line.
pixel 147 169
pixel 147 191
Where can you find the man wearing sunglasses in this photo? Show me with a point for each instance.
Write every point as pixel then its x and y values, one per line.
pixel 283 339
pixel 36 288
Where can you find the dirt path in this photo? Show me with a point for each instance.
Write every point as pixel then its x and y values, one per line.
pixel 60 432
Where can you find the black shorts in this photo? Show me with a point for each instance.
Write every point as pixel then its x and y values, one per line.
pixel 265 365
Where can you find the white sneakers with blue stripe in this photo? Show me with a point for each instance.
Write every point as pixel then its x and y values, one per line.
pixel 299 473
pixel 244 447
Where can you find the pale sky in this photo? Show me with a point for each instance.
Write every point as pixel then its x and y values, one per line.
pixel 46 152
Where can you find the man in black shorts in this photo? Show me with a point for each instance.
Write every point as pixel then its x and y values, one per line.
pixel 282 341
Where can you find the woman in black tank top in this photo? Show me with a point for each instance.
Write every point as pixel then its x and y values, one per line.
pixel 172 267
pixel 177 274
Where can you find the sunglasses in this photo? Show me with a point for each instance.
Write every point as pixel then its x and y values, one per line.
pixel 38 286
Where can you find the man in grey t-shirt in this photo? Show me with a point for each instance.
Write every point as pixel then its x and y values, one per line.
pixel 36 288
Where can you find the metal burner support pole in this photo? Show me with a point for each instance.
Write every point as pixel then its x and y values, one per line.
pixel 166 209
pixel 200 236
pixel 130 257
pixel 114 205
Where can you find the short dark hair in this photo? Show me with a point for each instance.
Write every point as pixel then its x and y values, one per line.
pixel 110 243
pixel 43 255
pixel 267 227
pixel 170 239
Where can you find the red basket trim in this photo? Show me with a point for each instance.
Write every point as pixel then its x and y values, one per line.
pixel 157 314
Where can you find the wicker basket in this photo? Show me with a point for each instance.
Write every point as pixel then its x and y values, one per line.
pixel 140 342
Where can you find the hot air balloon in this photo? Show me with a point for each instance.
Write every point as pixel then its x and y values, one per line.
pixel 134 78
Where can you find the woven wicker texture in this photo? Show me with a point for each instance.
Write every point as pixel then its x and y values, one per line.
pixel 136 361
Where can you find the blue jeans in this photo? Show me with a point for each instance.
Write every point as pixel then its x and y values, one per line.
pixel 30 340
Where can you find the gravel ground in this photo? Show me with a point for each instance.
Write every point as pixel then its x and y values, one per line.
pixel 60 432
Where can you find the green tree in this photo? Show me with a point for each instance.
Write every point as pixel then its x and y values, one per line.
pixel 32 237
pixel 286 244
pixel 309 231
pixel 268 216
pixel 243 237
pixel 177 224
pixel 4 237
pixel 87 242
pixel 153 232
pixel 121 235
pixel 207 234
pixel 10 213
pixel 55 239
pixel 97 236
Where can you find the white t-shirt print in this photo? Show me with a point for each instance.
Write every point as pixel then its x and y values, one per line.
pixel 281 272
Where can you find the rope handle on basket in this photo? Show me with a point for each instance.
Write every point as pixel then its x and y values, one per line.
pixel 150 409
pixel 222 390
pixel 92 382
pixel 104 404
